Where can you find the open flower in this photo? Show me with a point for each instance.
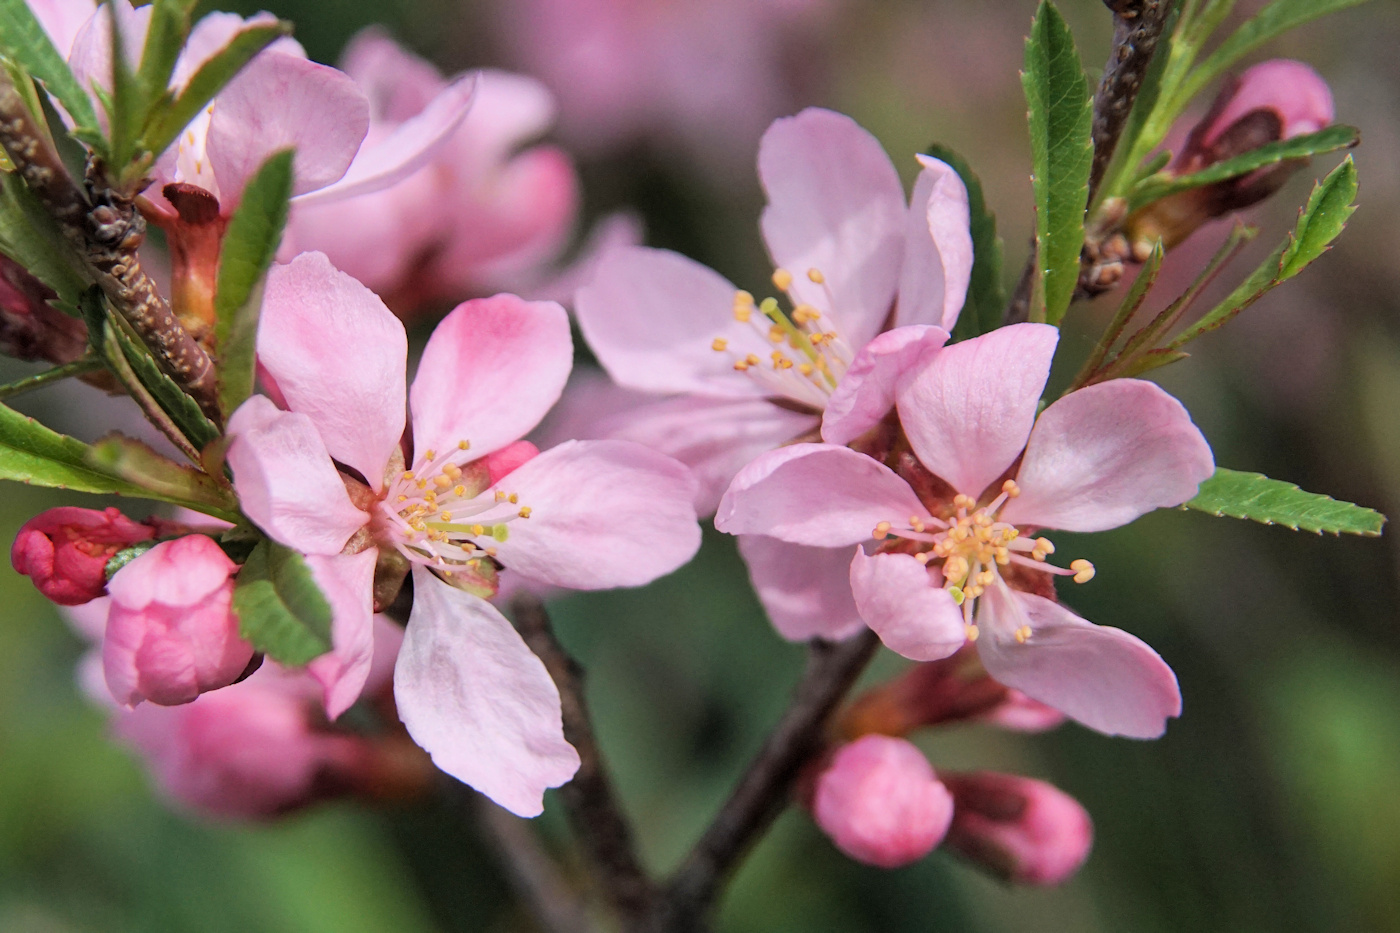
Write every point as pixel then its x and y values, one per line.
pixel 327 476
pixel 949 548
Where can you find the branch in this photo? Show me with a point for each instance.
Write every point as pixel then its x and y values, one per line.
pixel 106 230
pixel 594 811
pixel 554 905
pixel 765 788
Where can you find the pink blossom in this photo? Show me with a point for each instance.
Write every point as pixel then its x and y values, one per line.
pixel 171 632
pixel 881 803
pixel 486 210
pixel 1023 830
pixel 948 549
pixel 583 515
pixel 65 551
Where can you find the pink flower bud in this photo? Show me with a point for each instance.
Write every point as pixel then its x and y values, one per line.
pixel 171 634
pixel 31 328
pixel 881 803
pixel 1020 829
pixel 65 550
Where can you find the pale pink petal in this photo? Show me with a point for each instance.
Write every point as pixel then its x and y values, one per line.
pixel 338 356
pixel 62 19
pixel 652 316
pixel 510 110
pixel 815 494
pixel 867 391
pixel 1099 676
pixel 286 482
pixel 806 591
pixel 968 412
pixel 835 204
pixel 1103 455
pixel 905 605
pixel 347 580
pixel 490 371
pixel 213 33
pixel 388 638
pixel 1292 90
pixel 473 695
pixel 278 102
pixel 398 83
pixel 406 149
pixel 616 230
pixel 90 57
pixel 937 248
pixel 602 514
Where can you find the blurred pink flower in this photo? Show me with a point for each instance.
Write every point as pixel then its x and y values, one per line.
pixel 584 515
pixel 881 803
pixel 1024 831
pixel 951 559
pixel 702 75
pixel 65 551
pixel 171 632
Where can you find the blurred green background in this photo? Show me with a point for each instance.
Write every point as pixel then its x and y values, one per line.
pixel 1271 805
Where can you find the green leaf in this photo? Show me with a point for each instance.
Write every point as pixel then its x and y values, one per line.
pixel 1332 201
pixel 126 107
pixel 1299 147
pixel 170 27
pixel 1273 502
pixel 254 233
pixel 164 478
pixel 1274 20
pixel 986 293
pixel 183 410
pixel 279 607
pixel 24 40
pixel 168 122
pixel 1260 281
pixel 1057 93
pixel 31 453
pixel 29 236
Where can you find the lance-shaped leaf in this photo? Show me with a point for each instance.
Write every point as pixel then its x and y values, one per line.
pixel 254 233
pixel 173 400
pixel 168 122
pixel 163 478
pixel 280 609
pixel 986 294
pixel 1060 112
pixel 1274 502
pixel 170 27
pixel 32 453
pixel 1299 147
pixel 24 40
pixel 29 236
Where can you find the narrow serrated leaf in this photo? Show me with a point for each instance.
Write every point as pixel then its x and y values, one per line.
pixel 279 607
pixel 173 400
pixel 1256 497
pixel 1299 147
pixel 986 293
pixel 162 477
pixel 1060 113
pixel 1331 202
pixel 32 453
pixel 30 237
pixel 23 39
pixel 168 122
pixel 170 26
pixel 254 233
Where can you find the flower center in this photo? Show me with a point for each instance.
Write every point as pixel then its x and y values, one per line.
pixel 443 513
pixel 807 360
pixel 971 548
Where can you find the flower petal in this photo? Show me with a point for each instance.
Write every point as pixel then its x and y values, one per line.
pixel 474 696
pixel 348 584
pixel 835 204
pixel 806 591
pixel 1103 455
pixel 815 494
pixel 286 482
pixel 904 605
pixel 937 248
pixel 969 411
pixel 490 371
pixel 652 316
pixel 602 514
pixel 279 102
pixel 338 356
pixel 1100 676
pixel 866 392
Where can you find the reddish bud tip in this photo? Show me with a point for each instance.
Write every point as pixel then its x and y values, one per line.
pixel 65 551
pixel 1022 830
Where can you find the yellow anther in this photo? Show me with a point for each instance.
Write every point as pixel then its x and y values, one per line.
pixel 500 495
pixel 742 297
pixel 441 481
pixel 1011 534
pixel 752 359
pixel 403 498
pixel 720 344
pixel 961 501
pixel 741 365
pixel 1083 570
pixel 490 552
pixel 430 455
pixel 459 491
pixel 452 470
pixel 525 511
pixel 742 313
pixel 464 445
pixel 478 529
pixel 408 474
pixel 972 633
pixel 975 591
pixel 924 557
pixel 514 498
pixel 781 362
pixel 446 516
pixel 1011 489
pixel 986 577
pixel 916 523
pixel 815 276
pixel 776 334
pixel 422 484
pixel 1023 634
pixel 805 368
pixel 782 279
pixel 1003 556
pixel 982 518
pixel 881 530
pixel 955 569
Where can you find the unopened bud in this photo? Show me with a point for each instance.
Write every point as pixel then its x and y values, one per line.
pixel 1022 830
pixel 65 551
pixel 881 803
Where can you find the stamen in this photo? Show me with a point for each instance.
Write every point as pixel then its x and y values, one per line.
pixel 815 276
pixel 1083 570
pixel 782 279
pixel 720 344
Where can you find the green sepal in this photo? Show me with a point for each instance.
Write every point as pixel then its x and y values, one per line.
pixel 986 293
pixel 125 556
pixel 280 609
pixel 1273 502
pixel 23 39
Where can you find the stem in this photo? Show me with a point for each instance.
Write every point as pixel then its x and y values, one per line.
pixel 106 230
pixel 598 820
pixel 77 367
